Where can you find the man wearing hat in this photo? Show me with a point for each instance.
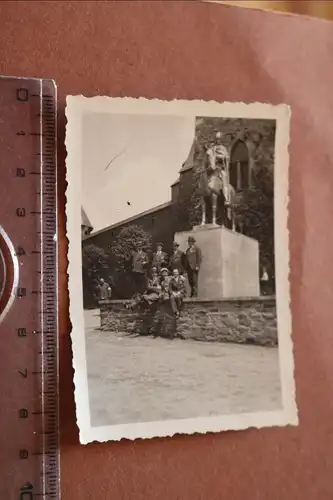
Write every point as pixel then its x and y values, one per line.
pixel 104 290
pixel 177 259
pixel 160 258
pixel 193 258
pixel 139 268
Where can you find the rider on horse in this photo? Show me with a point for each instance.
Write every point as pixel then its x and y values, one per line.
pixel 214 179
pixel 219 163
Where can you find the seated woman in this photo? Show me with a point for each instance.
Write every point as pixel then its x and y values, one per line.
pixel 177 291
pixel 150 295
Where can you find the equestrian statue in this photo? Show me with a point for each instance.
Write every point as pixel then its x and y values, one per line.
pixel 214 184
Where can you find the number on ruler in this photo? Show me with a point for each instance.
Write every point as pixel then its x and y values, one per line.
pixel 22 95
pixel 24 454
pixel 20 172
pixel 20 251
pixel 24 374
pixel 26 495
pixel 22 332
pixel 26 492
pixel 23 413
pixel 20 212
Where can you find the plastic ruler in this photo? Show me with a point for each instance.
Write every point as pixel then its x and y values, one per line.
pixel 29 434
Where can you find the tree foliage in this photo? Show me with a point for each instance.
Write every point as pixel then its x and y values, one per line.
pixel 126 242
pixel 94 260
pixel 95 265
pixel 256 130
pixel 256 211
pixel 121 250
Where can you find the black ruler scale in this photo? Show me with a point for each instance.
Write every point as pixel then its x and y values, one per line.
pixel 29 442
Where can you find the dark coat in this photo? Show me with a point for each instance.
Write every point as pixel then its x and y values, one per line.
pixel 154 284
pixel 104 291
pixel 193 258
pixel 177 261
pixel 153 291
pixel 165 287
pixel 177 285
pixel 160 260
pixel 139 262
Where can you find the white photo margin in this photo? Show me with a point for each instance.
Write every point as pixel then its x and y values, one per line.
pixel 77 107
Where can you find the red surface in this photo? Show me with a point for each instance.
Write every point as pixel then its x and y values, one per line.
pixel 192 50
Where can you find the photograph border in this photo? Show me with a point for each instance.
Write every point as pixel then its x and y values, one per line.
pixel 77 106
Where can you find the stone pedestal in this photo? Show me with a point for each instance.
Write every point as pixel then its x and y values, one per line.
pixel 242 321
pixel 230 262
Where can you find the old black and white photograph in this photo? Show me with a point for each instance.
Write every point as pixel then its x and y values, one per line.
pixel 177 219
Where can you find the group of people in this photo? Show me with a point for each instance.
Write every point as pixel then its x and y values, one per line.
pixel 163 278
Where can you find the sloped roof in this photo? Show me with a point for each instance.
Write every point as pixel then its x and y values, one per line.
pixel 132 219
pixel 190 159
pixel 84 219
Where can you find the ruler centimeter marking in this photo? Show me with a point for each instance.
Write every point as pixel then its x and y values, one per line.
pixel 29 329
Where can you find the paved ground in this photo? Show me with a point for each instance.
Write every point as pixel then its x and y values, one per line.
pixel 139 379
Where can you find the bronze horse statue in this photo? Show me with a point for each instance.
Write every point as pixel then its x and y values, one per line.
pixel 214 184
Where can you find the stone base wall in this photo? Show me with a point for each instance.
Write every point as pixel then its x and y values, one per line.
pixel 242 321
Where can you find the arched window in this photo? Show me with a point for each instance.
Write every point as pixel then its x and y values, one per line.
pixel 239 171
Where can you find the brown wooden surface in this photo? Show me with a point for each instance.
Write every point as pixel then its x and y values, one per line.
pixel 207 51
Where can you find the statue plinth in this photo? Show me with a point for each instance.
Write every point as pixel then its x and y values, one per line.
pixel 230 262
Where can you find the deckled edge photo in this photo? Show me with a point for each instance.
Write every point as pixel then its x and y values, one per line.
pixel 77 106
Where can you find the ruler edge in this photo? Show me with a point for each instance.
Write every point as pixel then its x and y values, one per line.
pixel 33 79
pixel 57 294
pixel 51 82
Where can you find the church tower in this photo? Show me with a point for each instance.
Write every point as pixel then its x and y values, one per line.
pixel 185 180
pixel 86 227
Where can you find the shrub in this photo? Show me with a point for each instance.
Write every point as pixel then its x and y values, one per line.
pixel 121 251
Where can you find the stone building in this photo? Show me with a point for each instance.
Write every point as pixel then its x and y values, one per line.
pixel 250 143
